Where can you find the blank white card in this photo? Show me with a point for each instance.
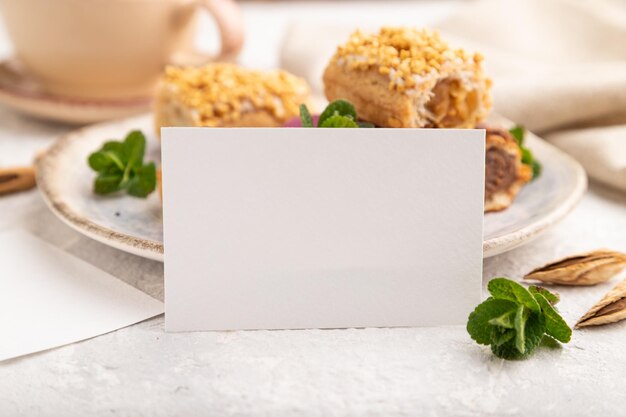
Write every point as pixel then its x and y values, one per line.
pixel 300 228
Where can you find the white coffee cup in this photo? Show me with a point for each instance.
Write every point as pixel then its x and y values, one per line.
pixel 112 48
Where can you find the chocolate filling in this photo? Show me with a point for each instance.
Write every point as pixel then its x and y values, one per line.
pixel 500 171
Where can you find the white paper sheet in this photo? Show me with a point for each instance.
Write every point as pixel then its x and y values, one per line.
pixel 298 228
pixel 49 298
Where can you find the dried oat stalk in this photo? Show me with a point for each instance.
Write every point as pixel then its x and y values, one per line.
pixel 609 309
pixel 584 269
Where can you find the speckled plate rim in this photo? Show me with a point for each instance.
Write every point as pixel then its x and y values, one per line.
pixel 45 164
pixel 501 244
pixel 151 249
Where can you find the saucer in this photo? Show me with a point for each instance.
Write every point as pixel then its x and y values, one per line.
pixel 20 91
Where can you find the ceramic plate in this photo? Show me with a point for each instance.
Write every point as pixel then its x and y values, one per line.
pixel 23 93
pixel 134 225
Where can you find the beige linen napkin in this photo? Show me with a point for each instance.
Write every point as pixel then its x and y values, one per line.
pixel 559 68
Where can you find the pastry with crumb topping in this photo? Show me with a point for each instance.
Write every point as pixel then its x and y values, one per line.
pixel 401 77
pixel 225 95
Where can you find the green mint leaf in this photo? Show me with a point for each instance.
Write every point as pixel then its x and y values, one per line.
pixel 534 330
pixel 339 121
pixel 107 183
pixel 537 169
pixel 116 150
pixel 337 108
pixel 506 350
pixel 500 336
pixel 100 161
pixel 339 113
pixel 305 116
pixel 144 181
pixel 506 289
pixel 120 166
pixel 518 133
pixel 527 156
pixel 478 325
pixel 107 159
pixel 521 316
pixel 549 342
pixel 515 320
pixel 505 321
pixel 555 325
pixel 135 147
pixel 529 159
pixel 553 298
pixel 114 146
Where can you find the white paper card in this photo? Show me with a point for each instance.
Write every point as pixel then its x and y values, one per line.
pixel 49 298
pixel 321 228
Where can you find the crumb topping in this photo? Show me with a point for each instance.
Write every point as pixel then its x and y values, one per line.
pixel 408 56
pixel 220 93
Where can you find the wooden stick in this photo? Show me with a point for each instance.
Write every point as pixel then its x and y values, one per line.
pixel 16 179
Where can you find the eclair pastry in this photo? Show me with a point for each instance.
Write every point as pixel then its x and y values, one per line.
pixel 505 174
pixel 403 77
pixel 225 95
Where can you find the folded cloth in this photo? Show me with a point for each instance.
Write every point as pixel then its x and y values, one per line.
pixel 559 68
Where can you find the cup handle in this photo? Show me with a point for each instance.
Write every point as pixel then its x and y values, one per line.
pixel 229 21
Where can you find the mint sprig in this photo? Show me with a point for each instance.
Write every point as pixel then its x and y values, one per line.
pixel 120 167
pixel 339 113
pixel 305 116
pixel 514 320
pixel 338 121
pixel 338 109
pixel 519 132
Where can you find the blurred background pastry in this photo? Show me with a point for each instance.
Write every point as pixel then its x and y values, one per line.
pixel 225 95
